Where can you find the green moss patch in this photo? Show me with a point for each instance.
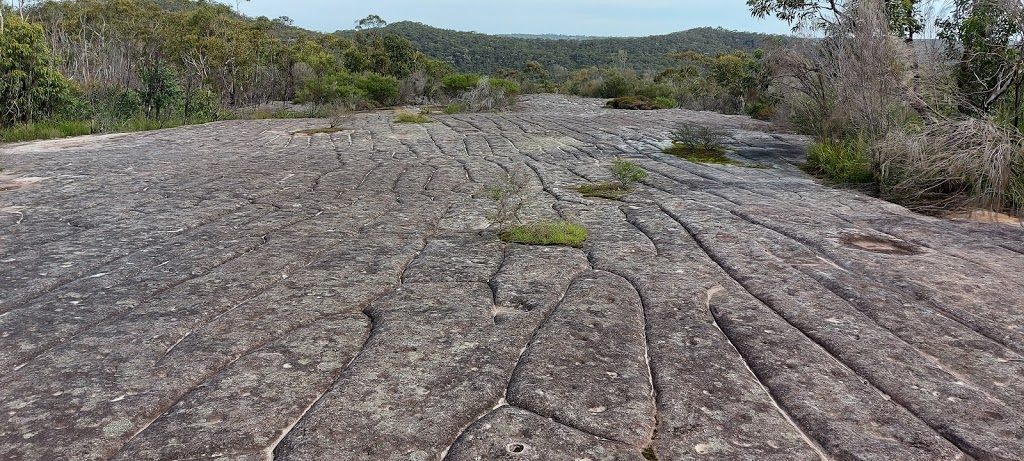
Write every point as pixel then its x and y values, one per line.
pixel 561 233
pixel 608 190
pixel 712 156
pixel 409 117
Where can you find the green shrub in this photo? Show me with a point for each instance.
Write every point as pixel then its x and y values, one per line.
pixel 663 102
pixel 456 108
pixel 628 173
pixel 45 130
pixel 698 138
pixel 510 88
pixel 510 198
pixel 199 105
pixel 551 233
pixel 410 117
pixel 655 91
pixel 761 111
pixel 381 89
pixel 31 88
pixel 640 103
pixel 160 91
pixel 114 103
pixel 614 86
pixel 845 161
pixel 457 83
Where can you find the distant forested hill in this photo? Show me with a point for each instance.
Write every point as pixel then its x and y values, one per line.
pixel 475 52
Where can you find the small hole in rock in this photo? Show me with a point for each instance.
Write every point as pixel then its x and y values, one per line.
pixel 881 245
pixel 515 448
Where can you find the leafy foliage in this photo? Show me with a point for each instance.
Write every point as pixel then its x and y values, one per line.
pixel 454 84
pixel 627 173
pixel 845 161
pixel 984 36
pixel 159 89
pixel 30 86
pixel 698 138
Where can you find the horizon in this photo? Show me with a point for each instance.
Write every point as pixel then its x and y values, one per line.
pixel 591 18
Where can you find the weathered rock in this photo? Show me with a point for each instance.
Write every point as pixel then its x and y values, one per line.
pixel 587 368
pixel 236 290
pixel 514 434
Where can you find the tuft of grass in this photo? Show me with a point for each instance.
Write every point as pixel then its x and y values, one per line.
pixel 269 114
pixel 666 103
pixel 561 233
pixel 409 117
pixel 52 129
pixel 844 161
pixel 456 108
pixel 46 130
pixel 649 454
pixel 608 190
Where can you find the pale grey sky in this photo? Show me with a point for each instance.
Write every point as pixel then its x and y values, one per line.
pixel 569 17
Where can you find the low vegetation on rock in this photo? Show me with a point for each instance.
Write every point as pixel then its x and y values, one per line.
pixel 626 173
pixel 641 103
pixel 404 116
pixel 325 130
pixel 935 128
pixel 509 198
pixel 701 144
pixel 561 233
pixel 844 161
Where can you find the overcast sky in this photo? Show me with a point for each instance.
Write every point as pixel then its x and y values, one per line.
pixel 569 17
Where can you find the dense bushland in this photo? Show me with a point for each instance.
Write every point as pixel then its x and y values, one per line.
pixel 107 65
pixel 490 54
pixel 935 128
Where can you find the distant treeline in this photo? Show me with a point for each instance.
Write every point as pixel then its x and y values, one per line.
pixel 488 54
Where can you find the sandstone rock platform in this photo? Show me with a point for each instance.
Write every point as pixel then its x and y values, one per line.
pixel 240 291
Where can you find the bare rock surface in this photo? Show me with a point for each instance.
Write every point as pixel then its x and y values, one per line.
pixel 239 291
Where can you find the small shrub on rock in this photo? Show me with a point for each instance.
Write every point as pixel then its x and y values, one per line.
pixel 457 83
pixel 640 103
pixel 628 173
pixel 509 198
pixel 403 116
pixel 382 89
pixel 487 96
pixel 625 172
pixel 698 138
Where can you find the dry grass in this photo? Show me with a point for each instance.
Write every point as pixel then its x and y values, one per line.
pixel 403 116
pixel 968 163
pixel 312 131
